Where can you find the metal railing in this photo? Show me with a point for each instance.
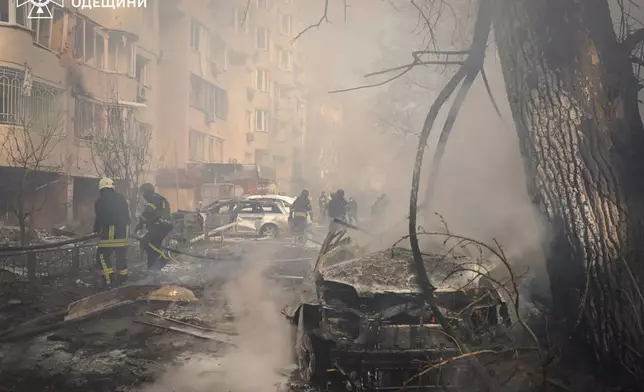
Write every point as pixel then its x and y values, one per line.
pixel 38 264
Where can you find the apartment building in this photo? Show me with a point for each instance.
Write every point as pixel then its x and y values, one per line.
pixel 204 81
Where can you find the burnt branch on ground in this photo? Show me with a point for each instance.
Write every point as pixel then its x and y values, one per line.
pixel 480 268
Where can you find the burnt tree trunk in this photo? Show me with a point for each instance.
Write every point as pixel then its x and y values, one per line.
pixel 573 97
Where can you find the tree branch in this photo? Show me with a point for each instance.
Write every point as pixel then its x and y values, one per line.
pixel 323 18
pixel 630 42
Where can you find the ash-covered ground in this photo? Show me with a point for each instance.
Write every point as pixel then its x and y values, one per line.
pixel 113 352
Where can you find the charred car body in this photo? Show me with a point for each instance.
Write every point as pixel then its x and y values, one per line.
pixel 362 321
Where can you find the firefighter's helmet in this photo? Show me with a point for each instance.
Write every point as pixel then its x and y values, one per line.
pixel 106 183
pixel 147 188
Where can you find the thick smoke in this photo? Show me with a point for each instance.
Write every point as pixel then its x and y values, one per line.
pixel 262 343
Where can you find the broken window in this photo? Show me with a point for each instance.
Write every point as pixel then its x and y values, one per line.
pixel 219 52
pixel 261 81
pixel 285 24
pixel 262 38
pixel 261 120
pixel 195 35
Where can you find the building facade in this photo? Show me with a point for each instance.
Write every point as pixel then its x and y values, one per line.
pixel 179 83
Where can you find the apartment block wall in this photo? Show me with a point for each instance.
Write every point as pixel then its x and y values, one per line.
pixel 201 102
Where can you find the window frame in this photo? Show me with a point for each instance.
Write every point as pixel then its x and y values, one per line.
pixel 289 65
pixel 265 85
pixel 265 40
pixel 288 31
pixel 262 122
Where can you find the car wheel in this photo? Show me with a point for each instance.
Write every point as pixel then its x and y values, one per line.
pixel 269 230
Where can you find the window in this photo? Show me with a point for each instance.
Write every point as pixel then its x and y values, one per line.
pixel 261 120
pixel 89 42
pixel 241 20
pixel 262 38
pixel 207 97
pixel 285 60
pixel 90 119
pixel 21 15
pixel 285 24
pixel 195 35
pixel 17 107
pixel 141 71
pixel 219 52
pixel 249 120
pixel 79 41
pixel 121 54
pixel 100 52
pixel 263 4
pixel 4 10
pixel 195 145
pixel 47 32
pixel 203 147
pixel 221 103
pixel 261 80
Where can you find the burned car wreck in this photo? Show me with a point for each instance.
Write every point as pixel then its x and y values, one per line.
pixel 362 322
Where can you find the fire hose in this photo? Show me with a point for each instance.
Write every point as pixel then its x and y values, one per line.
pixel 9 251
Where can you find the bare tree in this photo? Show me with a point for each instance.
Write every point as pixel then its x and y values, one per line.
pixel 120 149
pixel 28 147
pixel 573 95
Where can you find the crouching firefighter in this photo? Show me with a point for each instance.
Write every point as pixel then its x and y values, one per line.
pixel 112 223
pixel 156 218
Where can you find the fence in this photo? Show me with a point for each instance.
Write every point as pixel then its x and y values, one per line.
pixel 39 264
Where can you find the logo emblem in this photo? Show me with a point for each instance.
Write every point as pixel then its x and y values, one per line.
pixel 40 9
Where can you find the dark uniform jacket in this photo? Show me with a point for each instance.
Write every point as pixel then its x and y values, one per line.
pixel 112 219
pixel 337 207
pixel 301 206
pixel 157 210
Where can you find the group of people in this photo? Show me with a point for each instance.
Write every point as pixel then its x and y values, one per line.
pixel 335 206
pixel 331 207
pixel 112 224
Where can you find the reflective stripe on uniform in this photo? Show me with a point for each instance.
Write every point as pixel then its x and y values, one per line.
pixel 117 243
pixel 106 271
pixel 159 251
pixel 124 272
pixel 110 233
pixel 148 204
pixel 127 231
pixel 300 214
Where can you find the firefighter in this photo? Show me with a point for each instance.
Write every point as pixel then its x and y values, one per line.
pixel 337 209
pixel 300 211
pixel 112 223
pixel 156 218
